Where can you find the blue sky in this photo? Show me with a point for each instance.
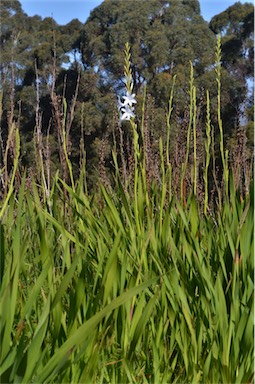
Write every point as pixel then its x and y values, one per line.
pixel 64 11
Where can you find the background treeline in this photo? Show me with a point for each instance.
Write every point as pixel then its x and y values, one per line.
pixel 43 63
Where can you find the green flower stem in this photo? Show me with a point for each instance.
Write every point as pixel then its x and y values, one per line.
pixel 207 149
pixel 224 157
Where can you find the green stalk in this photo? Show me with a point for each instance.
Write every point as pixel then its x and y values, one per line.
pixel 195 139
pixel 163 186
pixel 207 149
pixel 218 80
pixel 184 167
pixel 83 165
pixel 214 171
pixel 65 148
pixel 144 145
pixel 142 122
pixel 137 155
pixel 168 117
pixel 127 69
pixel 136 174
pixel 15 166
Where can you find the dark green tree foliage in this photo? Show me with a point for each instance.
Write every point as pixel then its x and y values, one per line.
pixel 71 33
pixel 12 59
pixel 164 36
pixel 236 25
pixel 12 22
pixel 29 46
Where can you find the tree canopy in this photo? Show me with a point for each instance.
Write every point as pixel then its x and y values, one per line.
pixel 236 25
pixel 164 37
pixel 38 55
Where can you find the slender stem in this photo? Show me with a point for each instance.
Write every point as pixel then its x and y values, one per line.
pixel 195 139
pixel 218 80
pixel 207 149
pixel 184 168
pixel 170 109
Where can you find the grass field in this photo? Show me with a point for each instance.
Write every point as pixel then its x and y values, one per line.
pixel 132 284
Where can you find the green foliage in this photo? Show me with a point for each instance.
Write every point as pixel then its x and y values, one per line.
pixel 88 294
pixel 132 284
pixel 236 25
pixel 164 36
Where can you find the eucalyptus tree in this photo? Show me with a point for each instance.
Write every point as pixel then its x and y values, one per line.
pixel 163 35
pixel 236 25
pixel 33 51
pixel 12 62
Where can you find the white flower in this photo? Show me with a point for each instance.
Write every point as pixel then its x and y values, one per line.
pixel 125 107
pixel 127 113
pixel 120 104
pixel 129 99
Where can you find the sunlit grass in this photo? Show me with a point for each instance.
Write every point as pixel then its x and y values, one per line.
pixel 132 284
